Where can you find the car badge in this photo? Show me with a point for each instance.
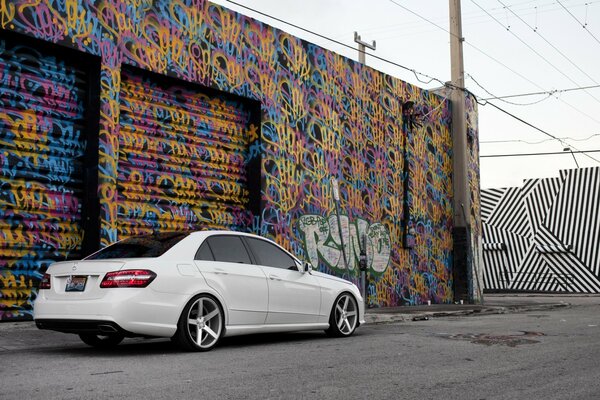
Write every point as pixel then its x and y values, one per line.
pixel 74 267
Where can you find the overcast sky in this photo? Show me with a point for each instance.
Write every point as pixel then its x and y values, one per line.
pixel 511 47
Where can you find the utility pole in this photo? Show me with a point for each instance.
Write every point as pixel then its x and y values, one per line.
pixel 463 252
pixel 362 46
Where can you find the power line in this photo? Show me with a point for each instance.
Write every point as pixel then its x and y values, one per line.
pixel 415 72
pixel 541 141
pixel 431 79
pixel 472 17
pixel 550 92
pixel 582 25
pixel 548 42
pixel 494 97
pixel 531 48
pixel 536 128
pixel 492 58
pixel 468 43
pixel 540 154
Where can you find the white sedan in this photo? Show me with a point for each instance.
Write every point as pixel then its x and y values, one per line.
pixel 194 288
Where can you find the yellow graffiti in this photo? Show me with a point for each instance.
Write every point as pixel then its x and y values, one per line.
pixel 77 22
pixel 7 13
pixel 296 56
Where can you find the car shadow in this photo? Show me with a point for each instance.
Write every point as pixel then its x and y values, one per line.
pixel 150 347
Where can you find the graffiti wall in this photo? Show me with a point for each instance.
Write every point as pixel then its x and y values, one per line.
pixel 322 116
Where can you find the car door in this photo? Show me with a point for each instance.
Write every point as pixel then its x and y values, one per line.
pixel 294 297
pixel 228 269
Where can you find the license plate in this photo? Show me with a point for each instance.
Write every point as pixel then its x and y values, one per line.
pixel 76 284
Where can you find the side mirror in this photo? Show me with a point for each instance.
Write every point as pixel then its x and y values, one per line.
pixel 306 267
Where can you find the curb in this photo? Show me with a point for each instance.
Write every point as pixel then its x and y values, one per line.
pixel 388 318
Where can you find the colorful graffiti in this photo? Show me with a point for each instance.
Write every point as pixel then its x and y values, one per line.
pixel 322 116
pixel 182 159
pixel 323 243
pixel 41 146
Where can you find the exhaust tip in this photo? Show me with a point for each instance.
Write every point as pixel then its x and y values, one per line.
pixel 107 329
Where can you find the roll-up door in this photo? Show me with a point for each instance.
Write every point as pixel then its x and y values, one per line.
pixel 42 143
pixel 182 158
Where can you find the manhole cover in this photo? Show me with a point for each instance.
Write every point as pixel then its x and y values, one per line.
pixel 505 340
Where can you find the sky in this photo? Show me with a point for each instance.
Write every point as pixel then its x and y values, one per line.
pixel 511 47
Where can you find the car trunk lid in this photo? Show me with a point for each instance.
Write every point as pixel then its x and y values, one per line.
pixel 79 279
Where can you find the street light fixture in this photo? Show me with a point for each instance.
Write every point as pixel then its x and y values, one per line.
pixel 571 151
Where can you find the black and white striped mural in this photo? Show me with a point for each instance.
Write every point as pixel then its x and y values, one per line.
pixel 545 235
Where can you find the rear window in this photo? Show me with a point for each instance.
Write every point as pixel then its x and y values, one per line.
pixel 141 246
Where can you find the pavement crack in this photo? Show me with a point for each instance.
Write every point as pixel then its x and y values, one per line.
pixel 106 373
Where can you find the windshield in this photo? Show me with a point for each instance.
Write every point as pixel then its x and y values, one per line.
pixel 141 246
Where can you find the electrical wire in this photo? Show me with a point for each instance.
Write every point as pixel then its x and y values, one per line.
pixel 533 50
pixel 494 59
pixel 548 42
pixel 541 141
pixel 551 92
pixel 536 128
pixel 584 152
pixel 582 25
pixel 416 73
pixel 472 18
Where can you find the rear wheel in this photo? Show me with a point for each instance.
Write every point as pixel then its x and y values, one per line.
pixel 344 316
pixel 201 324
pixel 101 341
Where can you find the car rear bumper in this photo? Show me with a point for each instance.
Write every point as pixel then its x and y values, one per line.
pixel 132 312
pixel 98 327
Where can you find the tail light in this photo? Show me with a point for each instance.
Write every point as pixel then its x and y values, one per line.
pixel 138 278
pixel 45 283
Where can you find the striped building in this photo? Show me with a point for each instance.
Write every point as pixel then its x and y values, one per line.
pixel 545 235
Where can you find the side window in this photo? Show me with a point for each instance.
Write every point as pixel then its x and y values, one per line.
pixel 271 255
pixel 229 249
pixel 204 253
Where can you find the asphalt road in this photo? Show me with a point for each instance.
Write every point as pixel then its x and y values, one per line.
pixel 535 355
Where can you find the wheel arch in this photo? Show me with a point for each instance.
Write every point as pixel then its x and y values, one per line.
pixel 213 293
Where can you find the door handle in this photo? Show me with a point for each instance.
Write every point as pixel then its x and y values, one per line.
pixel 220 271
pixel 274 277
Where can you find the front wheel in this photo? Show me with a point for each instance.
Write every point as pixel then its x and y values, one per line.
pixel 344 316
pixel 101 341
pixel 201 324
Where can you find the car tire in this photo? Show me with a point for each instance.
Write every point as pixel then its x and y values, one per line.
pixel 101 341
pixel 343 319
pixel 200 326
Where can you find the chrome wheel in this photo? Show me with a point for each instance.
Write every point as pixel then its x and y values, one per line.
pixel 344 316
pixel 201 325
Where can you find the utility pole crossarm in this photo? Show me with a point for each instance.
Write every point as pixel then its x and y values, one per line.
pixel 362 46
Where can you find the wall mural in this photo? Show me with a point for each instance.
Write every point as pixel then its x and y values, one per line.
pixel 322 116
pixel 543 236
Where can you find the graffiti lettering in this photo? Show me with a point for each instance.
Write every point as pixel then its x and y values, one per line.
pixel 322 242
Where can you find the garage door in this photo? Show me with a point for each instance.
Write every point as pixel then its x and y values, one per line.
pixel 182 158
pixel 42 101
